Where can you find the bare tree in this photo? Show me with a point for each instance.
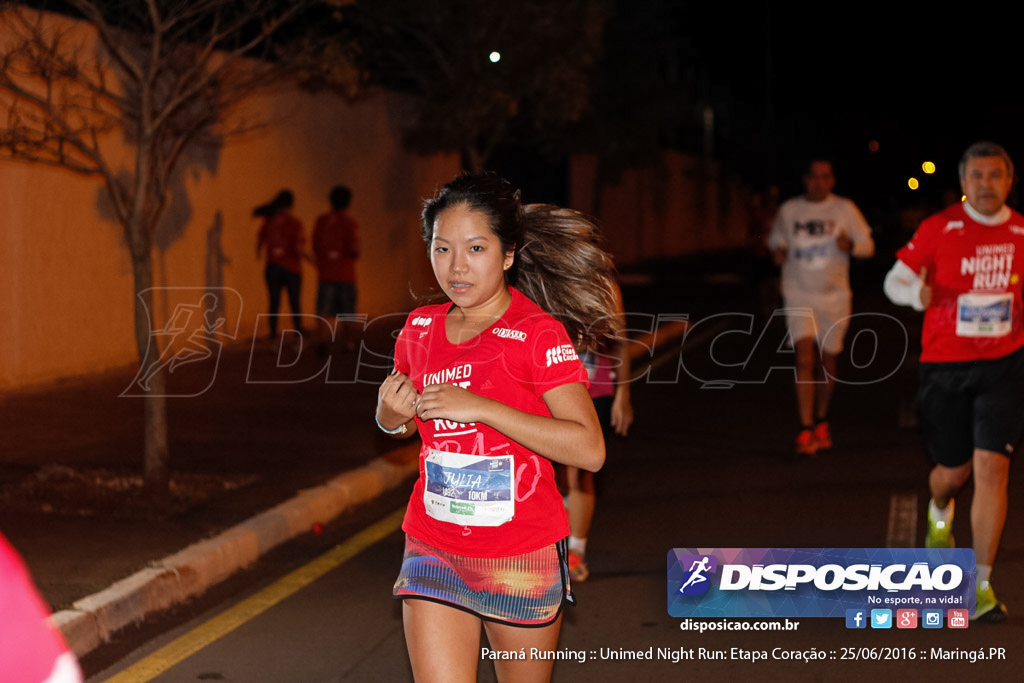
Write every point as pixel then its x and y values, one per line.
pixel 164 74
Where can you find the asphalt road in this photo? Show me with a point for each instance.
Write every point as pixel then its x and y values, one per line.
pixel 709 464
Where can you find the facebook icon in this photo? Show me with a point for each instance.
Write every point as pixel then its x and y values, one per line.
pixel 856 618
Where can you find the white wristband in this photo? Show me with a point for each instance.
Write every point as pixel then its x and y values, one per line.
pixel 400 429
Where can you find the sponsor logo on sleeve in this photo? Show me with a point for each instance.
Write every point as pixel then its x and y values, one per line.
pixel 561 354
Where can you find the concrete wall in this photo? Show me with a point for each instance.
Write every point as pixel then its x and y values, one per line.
pixel 66 289
pixel 681 206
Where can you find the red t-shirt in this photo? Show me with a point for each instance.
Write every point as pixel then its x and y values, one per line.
pixel 29 644
pixel 282 236
pixel 336 246
pixel 976 311
pixel 523 355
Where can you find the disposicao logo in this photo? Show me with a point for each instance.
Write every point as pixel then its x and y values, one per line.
pixel 696 581
pixel 818 582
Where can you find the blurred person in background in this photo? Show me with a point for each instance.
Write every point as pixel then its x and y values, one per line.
pixel 609 374
pixel 813 237
pixel 282 241
pixel 336 249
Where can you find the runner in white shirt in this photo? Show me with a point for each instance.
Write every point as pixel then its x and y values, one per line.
pixel 813 237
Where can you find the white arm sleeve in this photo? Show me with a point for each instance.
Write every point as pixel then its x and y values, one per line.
pixel 65 670
pixel 903 286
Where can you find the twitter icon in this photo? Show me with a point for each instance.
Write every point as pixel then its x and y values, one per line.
pixel 881 618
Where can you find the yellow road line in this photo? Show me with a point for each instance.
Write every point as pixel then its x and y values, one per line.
pixel 226 622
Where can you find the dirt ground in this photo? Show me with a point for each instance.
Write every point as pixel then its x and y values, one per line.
pixel 246 431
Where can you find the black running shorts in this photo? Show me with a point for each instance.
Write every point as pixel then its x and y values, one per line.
pixel 969 405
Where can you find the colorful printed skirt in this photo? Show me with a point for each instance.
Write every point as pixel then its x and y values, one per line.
pixel 520 590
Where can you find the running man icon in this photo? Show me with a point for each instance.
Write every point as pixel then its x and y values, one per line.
pixel 195 333
pixel 696 570
pixel 194 341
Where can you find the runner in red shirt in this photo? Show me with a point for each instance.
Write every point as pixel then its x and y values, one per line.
pixel 493 384
pixel 961 269
pixel 336 249
pixel 282 239
pixel 609 374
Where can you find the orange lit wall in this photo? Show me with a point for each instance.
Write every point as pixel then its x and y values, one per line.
pixel 66 287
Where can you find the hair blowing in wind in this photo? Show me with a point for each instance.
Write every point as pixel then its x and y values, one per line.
pixel 559 263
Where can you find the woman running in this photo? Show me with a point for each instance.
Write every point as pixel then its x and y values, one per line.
pixel 492 382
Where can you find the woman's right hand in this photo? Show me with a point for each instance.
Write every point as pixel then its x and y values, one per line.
pixel 396 401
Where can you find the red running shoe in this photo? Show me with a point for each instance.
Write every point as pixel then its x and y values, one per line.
pixel 823 435
pixel 806 444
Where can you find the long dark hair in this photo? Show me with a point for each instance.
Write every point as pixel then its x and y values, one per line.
pixel 284 200
pixel 558 261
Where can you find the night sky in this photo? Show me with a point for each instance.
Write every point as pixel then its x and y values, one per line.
pixel 829 78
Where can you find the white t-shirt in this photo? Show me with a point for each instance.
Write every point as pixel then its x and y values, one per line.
pixel 807 231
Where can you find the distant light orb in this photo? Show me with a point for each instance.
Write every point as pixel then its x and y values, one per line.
pixel 928 167
pixel 495 57
pixel 913 184
pixel 873 145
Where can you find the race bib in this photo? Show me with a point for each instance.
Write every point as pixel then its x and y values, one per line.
pixel 469 490
pixel 813 254
pixel 984 315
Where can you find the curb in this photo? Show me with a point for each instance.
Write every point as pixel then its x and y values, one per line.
pixel 94 620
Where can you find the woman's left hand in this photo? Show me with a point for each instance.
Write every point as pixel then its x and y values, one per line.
pixel 622 414
pixel 844 243
pixel 449 402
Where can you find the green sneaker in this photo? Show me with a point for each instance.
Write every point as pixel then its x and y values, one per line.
pixel 940 534
pixel 987 609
